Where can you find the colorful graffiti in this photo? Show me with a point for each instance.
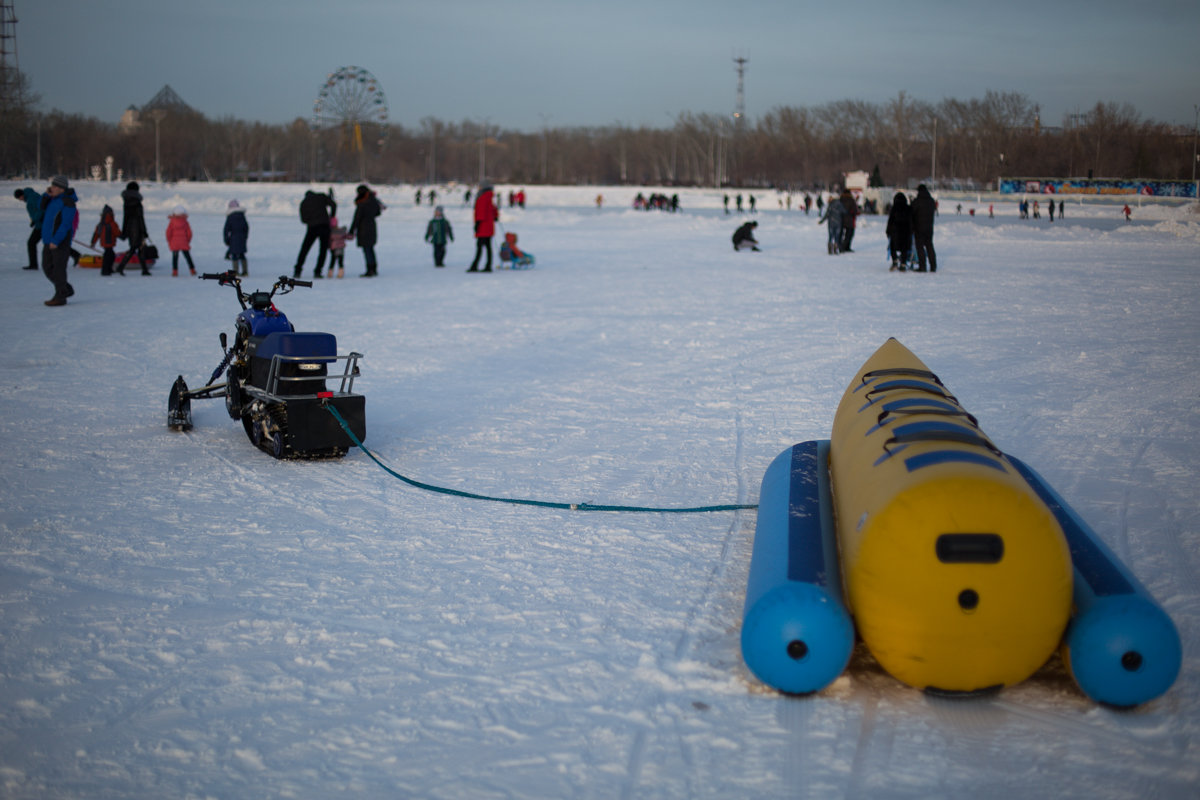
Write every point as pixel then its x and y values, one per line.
pixel 1098 186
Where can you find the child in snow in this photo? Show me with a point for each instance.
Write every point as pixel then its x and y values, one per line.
pixel 107 233
pixel 337 247
pixel 179 239
pixel 832 217
pixel 438 232
pixel 511 253
pixel 237 231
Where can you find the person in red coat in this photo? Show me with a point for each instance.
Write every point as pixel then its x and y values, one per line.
pixel 486 215
pixel 179 239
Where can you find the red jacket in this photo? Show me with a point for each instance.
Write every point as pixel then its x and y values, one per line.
pixel 486 215
pixel 107 231
pixel 179 233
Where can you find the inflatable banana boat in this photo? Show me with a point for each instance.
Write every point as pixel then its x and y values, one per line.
pixel 958 565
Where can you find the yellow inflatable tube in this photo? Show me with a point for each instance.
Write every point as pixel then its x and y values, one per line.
pixel 956 572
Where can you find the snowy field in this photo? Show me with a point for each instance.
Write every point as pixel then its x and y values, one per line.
pixel 181 616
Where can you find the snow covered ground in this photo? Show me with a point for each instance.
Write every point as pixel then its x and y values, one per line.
pixel 183 616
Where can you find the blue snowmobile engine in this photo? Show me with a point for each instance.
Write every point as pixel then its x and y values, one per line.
pixel 261 321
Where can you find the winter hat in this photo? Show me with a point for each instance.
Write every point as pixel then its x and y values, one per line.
pixel 362 189
pixel 180 211
pixel 107 210
pixel 437 212
pixel 233 204
pixel 132 186
pixel 60 181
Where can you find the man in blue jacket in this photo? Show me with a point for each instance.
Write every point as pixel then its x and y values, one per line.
pixel 33 205
pixel 58 228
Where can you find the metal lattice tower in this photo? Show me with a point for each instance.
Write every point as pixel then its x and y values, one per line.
pixel 739 114
pixel 9 64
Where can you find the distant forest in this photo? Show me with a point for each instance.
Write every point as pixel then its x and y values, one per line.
pixel 904 140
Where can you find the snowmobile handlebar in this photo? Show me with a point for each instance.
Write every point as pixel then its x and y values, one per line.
pixel 283 285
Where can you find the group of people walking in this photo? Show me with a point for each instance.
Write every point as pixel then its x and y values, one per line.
pixel 909 228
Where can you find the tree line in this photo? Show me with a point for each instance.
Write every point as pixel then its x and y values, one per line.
pixel 904 140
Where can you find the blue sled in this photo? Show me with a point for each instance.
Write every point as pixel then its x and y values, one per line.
pixel 1121 647
pixel 797 635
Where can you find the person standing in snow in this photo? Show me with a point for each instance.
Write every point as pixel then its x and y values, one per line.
pixel 832 217
pixel 438 232
pixel 924 209
pixel 58 227
pixel 315 211
pixel 33 207
pixel 337 247
pixel 899 233
pixel 486 215
pixel 107 233
pixel 179 239
pixel 237 233
pixel 133 226
pixel 849 219
pixel 366 208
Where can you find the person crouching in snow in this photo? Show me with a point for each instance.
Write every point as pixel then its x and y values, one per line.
pixel 107 233
pixel 237 233
pixel 743 237
pixel 179 239
pixel 438 232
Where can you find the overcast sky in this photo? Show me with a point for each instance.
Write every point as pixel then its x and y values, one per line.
pixel 523 64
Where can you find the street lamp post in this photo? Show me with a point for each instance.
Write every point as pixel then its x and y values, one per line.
pixel 545 144
pixel 158 115
pixel 483 150
pixel 1195 155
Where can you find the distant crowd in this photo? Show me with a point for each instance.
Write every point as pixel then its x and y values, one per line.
pixel 54 224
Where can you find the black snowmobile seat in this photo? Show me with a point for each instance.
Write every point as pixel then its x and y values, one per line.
pixel 317 350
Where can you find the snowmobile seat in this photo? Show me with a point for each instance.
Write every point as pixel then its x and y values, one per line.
pixel 307 355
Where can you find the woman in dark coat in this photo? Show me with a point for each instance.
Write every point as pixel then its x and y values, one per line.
pixel 899 232
pixel 366 208
pixel 133 226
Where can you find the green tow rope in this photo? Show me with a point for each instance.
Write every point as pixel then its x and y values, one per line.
pixel 518 501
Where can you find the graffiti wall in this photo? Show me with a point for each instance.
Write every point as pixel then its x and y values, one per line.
pixel 1097 186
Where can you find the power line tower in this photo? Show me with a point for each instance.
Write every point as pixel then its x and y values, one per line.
pixel 9 65
pixel 739 113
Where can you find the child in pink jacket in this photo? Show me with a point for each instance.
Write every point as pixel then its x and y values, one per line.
pixel 179 239
pixel 337 247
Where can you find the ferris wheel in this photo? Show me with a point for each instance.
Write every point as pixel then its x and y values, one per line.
pixel 352 101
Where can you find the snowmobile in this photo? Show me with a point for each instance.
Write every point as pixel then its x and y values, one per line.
pixel 275 381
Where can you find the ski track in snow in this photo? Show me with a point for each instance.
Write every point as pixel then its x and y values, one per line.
pixel 183 616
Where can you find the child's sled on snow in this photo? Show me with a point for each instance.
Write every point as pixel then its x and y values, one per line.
pixel 511 256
